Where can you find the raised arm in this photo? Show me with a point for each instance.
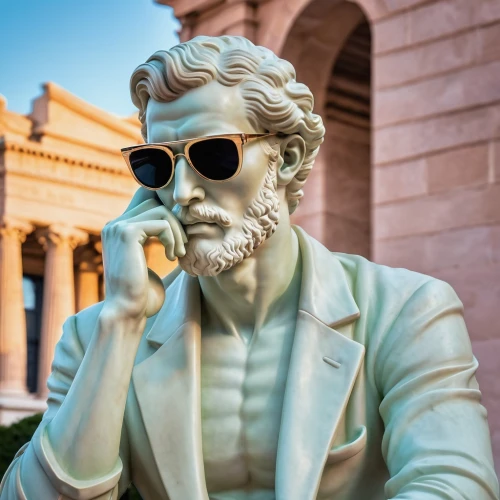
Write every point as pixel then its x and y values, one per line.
pixel 436 442
pixel 76 450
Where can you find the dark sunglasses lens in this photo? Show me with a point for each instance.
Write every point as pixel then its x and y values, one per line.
pixel 215 159
pixel 152 167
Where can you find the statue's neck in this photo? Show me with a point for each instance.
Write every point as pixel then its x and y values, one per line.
pixel 243 299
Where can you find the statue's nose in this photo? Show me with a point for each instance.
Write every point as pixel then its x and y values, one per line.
pixel 187 188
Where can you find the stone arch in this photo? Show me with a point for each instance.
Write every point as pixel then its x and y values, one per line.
pixel 277 18
pixel 329 44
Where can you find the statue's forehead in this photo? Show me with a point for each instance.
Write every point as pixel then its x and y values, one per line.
pixel 210 109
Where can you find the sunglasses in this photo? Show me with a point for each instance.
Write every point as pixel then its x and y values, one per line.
pixel 216 158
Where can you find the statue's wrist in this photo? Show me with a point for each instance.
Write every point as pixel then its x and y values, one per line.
pixel 116 318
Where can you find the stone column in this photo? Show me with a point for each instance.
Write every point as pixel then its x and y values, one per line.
pixel 12 316
pixel 59 241
pixel 87 280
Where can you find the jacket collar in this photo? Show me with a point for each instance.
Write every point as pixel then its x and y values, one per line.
pixel 325 292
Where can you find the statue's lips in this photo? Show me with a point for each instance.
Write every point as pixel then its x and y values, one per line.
pixel 206 229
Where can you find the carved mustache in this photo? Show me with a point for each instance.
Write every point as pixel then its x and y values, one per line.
pixel 202 213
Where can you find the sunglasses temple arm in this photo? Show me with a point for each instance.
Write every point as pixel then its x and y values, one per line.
pixel 254 137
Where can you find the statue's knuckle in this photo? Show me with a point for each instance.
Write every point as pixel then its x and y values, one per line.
pixel 110 227
pixel 124 231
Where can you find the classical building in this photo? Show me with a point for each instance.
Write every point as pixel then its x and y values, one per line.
pixel 62 178
pixel 409 174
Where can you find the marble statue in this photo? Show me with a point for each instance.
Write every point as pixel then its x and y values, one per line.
pixel 264 367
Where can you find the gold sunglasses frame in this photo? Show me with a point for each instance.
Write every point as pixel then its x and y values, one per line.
pixel 239 140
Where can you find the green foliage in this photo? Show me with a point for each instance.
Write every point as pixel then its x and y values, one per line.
pixel 13 437
pixel 19 433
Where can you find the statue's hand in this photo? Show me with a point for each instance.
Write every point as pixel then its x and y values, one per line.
pixel 132 289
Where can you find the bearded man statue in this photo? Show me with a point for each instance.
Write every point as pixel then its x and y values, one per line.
pixel 265 366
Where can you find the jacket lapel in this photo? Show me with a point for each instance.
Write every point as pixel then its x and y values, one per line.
pixel 167 385
pixel 323 368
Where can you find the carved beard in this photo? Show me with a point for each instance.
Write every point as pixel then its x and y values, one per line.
pixel 259 223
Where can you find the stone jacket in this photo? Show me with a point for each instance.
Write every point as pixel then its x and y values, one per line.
pixel 381 399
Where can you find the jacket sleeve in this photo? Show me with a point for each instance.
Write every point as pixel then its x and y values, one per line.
pixel 436 442
pixel 34 473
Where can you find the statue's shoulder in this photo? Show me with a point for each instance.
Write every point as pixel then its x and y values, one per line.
pixel 382 287
pixel 367 269
pixel 381 283
pixel 386 296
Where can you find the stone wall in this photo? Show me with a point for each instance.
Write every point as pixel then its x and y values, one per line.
pixel 436 182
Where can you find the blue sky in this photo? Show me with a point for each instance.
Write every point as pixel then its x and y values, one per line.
pixel 89 47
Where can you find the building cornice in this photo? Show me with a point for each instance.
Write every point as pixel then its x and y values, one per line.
pixel 57 94
pixel 54 134
pixel 41 151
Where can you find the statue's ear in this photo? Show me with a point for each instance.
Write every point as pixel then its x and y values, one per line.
pixel 292 151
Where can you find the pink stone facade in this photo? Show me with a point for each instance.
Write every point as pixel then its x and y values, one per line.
pixel 412 180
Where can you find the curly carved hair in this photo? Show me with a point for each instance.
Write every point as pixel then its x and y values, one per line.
pixel 274 100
